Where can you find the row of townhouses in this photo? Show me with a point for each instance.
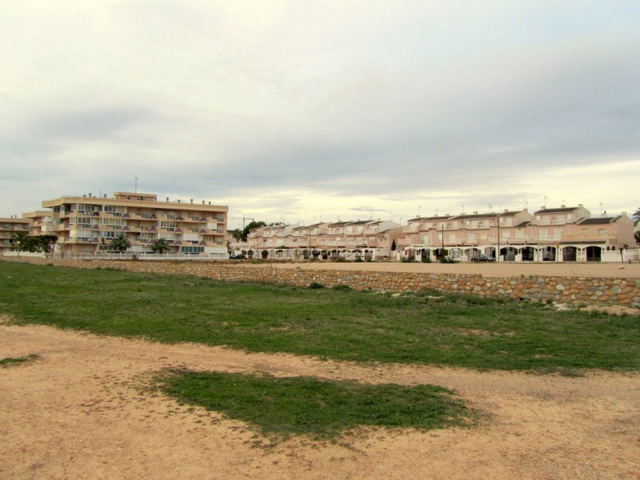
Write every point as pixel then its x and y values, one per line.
pixel 566 234
pixel 87 224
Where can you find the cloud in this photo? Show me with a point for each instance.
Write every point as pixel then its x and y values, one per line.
pixel 301 109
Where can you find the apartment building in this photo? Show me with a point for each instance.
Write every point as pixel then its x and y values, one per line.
pixel 554 234
pixel 9 228
pixel 40 222
pixel 88 224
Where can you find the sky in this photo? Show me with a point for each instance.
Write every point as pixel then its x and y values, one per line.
pixel 309 111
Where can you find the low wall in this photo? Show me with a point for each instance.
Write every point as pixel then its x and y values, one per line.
pixel 563 290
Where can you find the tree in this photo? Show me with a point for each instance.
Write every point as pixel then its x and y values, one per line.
pixel 237 234
pixel 250 226
pixel 120 243
pixel 636 216
pixel 48 242
pixel 637 237
pixel 20 240
pixel 160 246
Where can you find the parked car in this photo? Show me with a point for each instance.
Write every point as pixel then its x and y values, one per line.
pixel 482 258
pixel 240 256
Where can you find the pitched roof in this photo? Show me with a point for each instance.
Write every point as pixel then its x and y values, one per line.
pixel 556 210
pixel 598 221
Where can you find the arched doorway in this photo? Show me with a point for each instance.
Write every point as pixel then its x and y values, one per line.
pixel 508 254
pixel 528 254
pixel 569 254
pixel 549 254
pixel 594 254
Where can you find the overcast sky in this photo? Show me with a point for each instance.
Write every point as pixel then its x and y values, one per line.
pixel 307 111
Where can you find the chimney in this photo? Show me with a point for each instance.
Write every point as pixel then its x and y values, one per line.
pixel 167 199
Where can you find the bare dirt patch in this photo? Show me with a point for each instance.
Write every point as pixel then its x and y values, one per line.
pixel 78 412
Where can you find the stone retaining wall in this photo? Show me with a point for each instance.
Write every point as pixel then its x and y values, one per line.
pixel 562 290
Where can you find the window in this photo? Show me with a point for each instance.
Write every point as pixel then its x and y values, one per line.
pixel 83 221
pixel 112 222
pixel 191 250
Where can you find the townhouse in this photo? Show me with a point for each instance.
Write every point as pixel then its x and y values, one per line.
pixel 554 234
pixel 367 240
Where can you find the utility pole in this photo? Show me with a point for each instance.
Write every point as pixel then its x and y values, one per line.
pixel 498 222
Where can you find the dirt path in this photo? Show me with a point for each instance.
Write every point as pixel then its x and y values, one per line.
pixel 75 413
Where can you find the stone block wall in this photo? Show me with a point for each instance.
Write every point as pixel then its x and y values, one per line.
pixel 560 290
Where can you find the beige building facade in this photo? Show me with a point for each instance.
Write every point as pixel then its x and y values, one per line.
pixel 353 240
pixel 9 228
pixel 554 234
pixel 88 224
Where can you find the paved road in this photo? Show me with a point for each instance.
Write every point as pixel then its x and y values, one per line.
pixel 507 269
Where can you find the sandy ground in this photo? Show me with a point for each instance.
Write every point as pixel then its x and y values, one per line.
pixel 77 412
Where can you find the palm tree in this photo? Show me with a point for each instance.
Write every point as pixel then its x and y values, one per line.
pixel 160 246
pixel 20 240
pixel 636 216
pixel 120 243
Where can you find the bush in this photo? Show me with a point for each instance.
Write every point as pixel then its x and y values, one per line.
pixel 315 285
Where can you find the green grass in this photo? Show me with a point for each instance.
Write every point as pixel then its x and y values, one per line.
pixel 341 324
pixel 10 361
pixel 281 407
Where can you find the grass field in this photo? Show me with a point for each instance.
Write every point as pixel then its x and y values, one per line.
pixel 426 328
pixel 423 328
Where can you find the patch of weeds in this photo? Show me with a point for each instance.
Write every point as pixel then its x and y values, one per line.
pixel 315 285
pixel 321 410
pixel 8 362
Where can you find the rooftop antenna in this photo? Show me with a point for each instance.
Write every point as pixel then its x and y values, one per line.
pixel 135 188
